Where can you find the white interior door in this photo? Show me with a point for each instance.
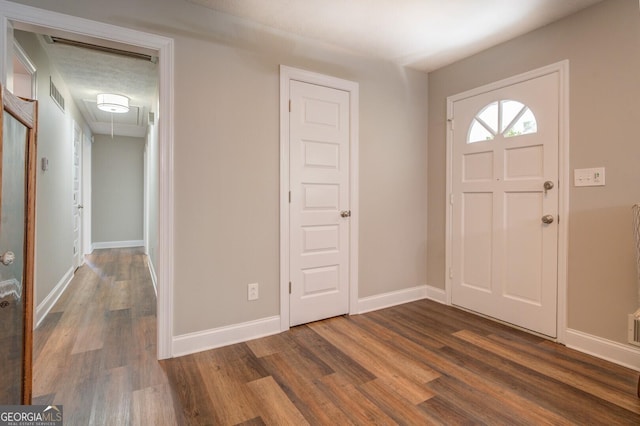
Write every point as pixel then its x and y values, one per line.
pixel 505 204
pixel 76 207
pixel 319 202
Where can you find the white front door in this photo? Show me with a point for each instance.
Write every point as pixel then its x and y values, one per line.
pixel 319 202
pixel 505 203
pixel 76 206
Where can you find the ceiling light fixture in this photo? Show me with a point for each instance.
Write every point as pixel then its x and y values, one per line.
pixel 110 102
pixel 115 104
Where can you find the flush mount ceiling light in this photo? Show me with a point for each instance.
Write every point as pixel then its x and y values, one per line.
pixel 110 102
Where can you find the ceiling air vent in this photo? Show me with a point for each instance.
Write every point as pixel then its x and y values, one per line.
pixel 55 94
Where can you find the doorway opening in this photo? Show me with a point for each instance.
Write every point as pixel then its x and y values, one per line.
pixel 16 16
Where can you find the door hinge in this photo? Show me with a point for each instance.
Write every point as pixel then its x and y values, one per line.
pixel 289 105
pixel 289 197
pixel 451 199
pixel 451 122
pixel 289 287
pixel 450 273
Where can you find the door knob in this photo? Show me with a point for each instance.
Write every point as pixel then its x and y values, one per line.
pixel 547 219
pixel 547 186
pixel 80 206
pixel 7 258
pixel 345 213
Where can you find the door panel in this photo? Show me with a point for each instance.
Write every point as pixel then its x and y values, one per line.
pixel 17 201
pixel 504 259
pixel 319 183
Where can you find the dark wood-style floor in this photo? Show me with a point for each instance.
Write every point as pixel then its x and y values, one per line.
pixel 414 364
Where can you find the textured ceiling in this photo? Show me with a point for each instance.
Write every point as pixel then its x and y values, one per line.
pixel 422 34
pixel 87 72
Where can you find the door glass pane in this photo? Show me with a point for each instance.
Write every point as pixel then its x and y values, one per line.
pixel 478 133
pixel 12 231
pixel 510 109
pixel 526 124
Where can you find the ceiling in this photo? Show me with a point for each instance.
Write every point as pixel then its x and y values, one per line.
pixel 87 72
pixel 422 34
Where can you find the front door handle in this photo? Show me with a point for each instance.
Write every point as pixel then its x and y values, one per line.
pixel 345 213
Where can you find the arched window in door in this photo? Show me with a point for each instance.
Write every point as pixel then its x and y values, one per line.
pixel 507 118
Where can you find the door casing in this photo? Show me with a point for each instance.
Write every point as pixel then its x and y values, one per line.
pixel 286 75
pixel 26 17
pixel 562 68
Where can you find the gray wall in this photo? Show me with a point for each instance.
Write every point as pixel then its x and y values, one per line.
pixel 227 158
pixel 54 225
pixel 602 44
pixel 117 186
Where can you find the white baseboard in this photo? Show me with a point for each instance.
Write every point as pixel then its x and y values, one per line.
pixel 437 294
pixel 154 277
pixel 386 300
pixel 45 306
pixel 186 344
pixel 615 352
pixel 117 244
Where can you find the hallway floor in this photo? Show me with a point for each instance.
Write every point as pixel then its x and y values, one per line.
pixel 95 352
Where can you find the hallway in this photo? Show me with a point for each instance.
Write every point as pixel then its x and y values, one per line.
pixel 95 352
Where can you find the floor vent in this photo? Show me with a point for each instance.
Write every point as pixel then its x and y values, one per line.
pixel 55 94
pixel 634 328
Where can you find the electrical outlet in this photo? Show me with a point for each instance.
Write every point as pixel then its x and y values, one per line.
pixel 252 291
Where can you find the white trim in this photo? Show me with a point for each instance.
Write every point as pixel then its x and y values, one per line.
pixel 13 12
pixel 286 75
pixel 45 306
pixel 437 294
pixel 562 68
pixel 393 298
pixel 154 277
pixel 117 244
pixel 609 350
pixel 185 344
pixel 24 59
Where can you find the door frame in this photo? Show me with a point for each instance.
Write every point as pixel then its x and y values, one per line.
pixel 30 17
pixel 562 69
pixel 286 75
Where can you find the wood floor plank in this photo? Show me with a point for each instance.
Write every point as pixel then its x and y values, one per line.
pixel 153 406
pixel 394 405
pixel 112 398
pixel 234 402
pixel 120 297
pixel 275 408
pixel 334 358
pixel 573 404
pixel 270 345
pixel 407 376
pixel 300 387
pixel 195 405
pixel 628 402
pixel 357 406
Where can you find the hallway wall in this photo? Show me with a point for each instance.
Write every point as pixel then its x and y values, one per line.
pixel 117 190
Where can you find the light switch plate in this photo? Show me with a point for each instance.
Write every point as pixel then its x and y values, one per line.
pixel 589 177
